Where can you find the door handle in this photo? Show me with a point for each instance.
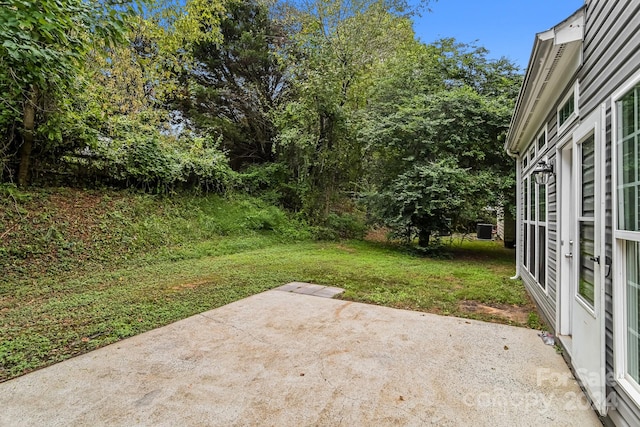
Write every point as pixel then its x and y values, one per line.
pixel 569 255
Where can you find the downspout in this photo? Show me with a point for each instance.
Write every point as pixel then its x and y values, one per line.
pixel 518 209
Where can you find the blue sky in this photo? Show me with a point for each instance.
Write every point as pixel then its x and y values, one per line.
pixel 505 27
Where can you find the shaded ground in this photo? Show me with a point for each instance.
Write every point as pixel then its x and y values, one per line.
pixel 519 314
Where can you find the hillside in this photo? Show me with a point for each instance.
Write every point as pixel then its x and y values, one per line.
pixel 59 230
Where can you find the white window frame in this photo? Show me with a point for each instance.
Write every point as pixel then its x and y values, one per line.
pixel 528 222
pixel 533 198
pixel 543 133
pixel 543 222
pixel 581 218
pixel 574 115
pixel 620 237
pixel 533 155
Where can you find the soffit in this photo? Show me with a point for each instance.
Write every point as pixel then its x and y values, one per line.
pixel 555 59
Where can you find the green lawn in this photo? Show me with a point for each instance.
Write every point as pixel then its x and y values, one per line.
pixel 49 319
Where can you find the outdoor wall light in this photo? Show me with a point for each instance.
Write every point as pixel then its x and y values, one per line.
pixel 543 172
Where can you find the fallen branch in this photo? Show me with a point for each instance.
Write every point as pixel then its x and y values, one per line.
pixel 8 231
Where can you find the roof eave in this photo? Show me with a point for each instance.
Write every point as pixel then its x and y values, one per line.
pixel 555 58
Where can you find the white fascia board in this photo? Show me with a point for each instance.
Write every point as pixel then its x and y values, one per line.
pixel 571 30
pixel 546 35
pixel 553 58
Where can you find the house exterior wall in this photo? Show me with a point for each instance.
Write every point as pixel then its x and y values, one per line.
pixel 611 56
pixel 545 298
pixel 610 53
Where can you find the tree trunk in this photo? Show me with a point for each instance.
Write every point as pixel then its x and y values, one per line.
pixel 423 238
pixel 29 125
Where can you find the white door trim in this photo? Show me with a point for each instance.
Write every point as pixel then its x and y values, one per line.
pixel 564 156
pixel 592 371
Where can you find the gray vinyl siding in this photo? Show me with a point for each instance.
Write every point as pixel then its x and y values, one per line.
pixel 546 298
pixel 552 221
pixel 611 50
pixel 611 56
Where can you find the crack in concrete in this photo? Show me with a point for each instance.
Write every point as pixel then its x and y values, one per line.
pixel 229 325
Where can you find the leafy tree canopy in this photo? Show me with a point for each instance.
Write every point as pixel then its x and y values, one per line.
pixel 43 45
pixel 237 84
pixel 318 103
pixel 439 129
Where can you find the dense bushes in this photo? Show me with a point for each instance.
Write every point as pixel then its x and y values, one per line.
pixel 147 164
pixel 138 155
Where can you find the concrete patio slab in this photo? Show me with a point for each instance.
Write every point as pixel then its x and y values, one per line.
pixel 287 359
pixel 310 289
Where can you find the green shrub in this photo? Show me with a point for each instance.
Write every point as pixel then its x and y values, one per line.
pixel 273 183
pixel 11 191
pixel 342 226
pixel 134 154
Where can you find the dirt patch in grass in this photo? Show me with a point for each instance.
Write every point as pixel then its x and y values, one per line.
pixel 190 285
pixel 510 313
pixel 346 248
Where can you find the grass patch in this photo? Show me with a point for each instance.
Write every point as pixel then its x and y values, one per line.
pixel 51 319
pixel 83 269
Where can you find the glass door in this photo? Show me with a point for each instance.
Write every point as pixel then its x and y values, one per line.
pixel 587 308
pixel 586 223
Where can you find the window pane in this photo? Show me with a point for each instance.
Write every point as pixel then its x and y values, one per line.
pixel 542 202
pixel 525 246
pixel 570 105
pixel 542 256
pixel 542 141
pixel 637 108
pixel 628 163
pixel 588 177
pixel 628 157
pixel 532 188
pixel 567 109
pixel 627 114
pixel 532 248
pixel 587 277
pixel 633 306
pixel 627 208
pixel 525 212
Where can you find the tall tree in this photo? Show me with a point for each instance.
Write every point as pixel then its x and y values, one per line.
pixel 43 45
pixel 442 141
pixel 142 141
pixel 239 82
pixel 339 45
